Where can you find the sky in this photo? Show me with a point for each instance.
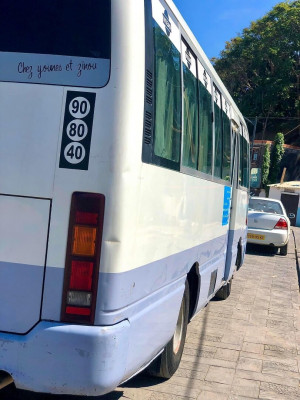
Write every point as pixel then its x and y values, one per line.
pixel 214 22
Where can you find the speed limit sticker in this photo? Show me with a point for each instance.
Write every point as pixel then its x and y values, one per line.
pixel 79 107
pixel 74 153
pixel 77 130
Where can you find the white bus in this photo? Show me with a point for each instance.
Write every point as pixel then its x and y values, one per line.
pixel 124 167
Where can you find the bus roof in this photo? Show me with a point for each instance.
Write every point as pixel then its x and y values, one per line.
pixel 205 61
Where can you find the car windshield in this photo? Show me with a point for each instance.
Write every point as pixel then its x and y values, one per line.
pixel 267 206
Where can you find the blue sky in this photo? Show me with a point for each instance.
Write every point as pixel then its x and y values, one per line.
pixel 214 22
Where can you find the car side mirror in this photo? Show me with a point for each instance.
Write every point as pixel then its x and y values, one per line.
pixel 292 215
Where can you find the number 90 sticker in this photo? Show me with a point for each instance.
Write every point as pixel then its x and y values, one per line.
pixel 79 107
pixel 74 153
pixel 77 130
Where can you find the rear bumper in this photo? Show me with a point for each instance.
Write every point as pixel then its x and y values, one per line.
pixel 67 359
pixel 276 237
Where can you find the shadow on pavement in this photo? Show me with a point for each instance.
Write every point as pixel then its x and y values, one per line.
pixel 11 393
pixel 143 380
pixel 258 250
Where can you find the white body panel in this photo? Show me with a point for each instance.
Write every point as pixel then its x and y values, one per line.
pixel 30 117
pixel 23 230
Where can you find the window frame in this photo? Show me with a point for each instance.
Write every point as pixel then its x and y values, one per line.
pixel 184 168
pixel 242 139
pixel 157 160
pixel 215 104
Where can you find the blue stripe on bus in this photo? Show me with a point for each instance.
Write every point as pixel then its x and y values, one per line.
pixel 120 295
pixel 20 296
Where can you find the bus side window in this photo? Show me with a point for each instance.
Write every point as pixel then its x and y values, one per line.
pixel 205 128
pixel 190 107
pixel 167 127
pixel 240 158
pixel 226 165
pixel 245 182
pixel 244 162
pixel 218 133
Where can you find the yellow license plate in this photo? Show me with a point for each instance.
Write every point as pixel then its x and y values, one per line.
pixel 254 236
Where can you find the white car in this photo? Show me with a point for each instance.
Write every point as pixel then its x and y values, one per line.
pixel 268 223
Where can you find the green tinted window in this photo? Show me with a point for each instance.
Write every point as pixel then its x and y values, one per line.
pixel 226 147
pixel 167 97
pixel 245 163
pixel 218 140
pixel 241 159
pixel 206 132
pixel 190 131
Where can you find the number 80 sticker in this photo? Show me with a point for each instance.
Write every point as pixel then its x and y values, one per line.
pixel 77 130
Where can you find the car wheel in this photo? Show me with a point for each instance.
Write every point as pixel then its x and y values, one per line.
pixel 166 364
pixel 284 250
pixel 225 291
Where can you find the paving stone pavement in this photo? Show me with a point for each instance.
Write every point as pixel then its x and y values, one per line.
pixel 246 347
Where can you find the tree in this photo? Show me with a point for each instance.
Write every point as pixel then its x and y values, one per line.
pixel 260 67
pixel 276 157
pixel 265 168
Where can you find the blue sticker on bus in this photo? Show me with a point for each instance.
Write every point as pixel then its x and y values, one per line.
pixel 226 205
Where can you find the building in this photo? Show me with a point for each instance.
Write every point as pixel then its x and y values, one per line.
pixel 290 161
pixel 289 194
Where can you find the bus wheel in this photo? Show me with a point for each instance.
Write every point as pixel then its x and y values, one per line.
pixel 225 291
pixel 165 365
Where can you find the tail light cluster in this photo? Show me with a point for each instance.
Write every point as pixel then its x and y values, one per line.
pixel 83 257
pixel 281 224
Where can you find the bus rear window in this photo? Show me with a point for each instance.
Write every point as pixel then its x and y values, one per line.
pixel 55 41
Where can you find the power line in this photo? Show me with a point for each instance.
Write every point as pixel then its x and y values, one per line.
pixel 292 130
pixel 283 118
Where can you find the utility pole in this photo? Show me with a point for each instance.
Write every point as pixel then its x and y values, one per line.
pixel 253 134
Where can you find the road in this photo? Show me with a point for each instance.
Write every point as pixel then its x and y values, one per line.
pixel 246 347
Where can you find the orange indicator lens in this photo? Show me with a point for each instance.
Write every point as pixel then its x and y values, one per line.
pixel 84 241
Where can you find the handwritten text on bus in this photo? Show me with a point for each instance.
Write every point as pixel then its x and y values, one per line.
pixel 41 69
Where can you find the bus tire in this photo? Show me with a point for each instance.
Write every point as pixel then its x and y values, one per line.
pixel 225 291
pixel 166 364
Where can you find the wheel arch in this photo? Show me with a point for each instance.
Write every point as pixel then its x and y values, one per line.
pixel 239 255
pixel 194 280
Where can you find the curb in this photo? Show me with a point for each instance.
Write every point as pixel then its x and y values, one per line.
pixel 297 260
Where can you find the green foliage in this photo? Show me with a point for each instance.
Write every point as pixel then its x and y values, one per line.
pixel 260 66
pixel 265 168
pixel 276 157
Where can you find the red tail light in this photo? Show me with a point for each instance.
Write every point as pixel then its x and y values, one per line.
pixel 281 224
pixel 83 257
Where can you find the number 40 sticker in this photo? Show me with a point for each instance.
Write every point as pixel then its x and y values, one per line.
pixel 77 130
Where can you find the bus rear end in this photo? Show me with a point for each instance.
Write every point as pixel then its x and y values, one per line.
pixel 56 125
